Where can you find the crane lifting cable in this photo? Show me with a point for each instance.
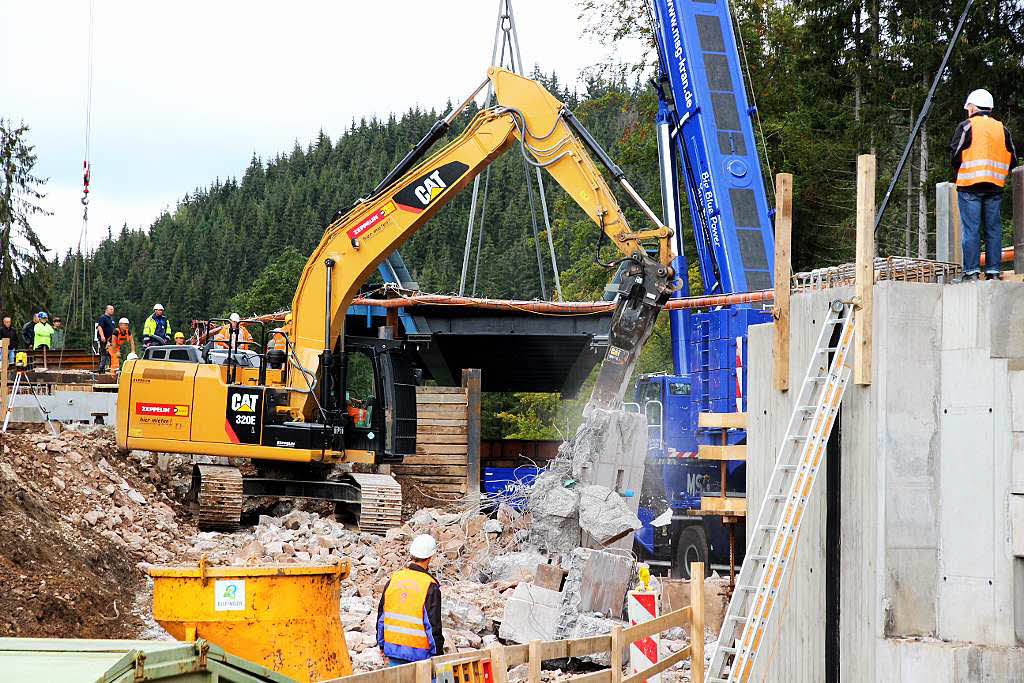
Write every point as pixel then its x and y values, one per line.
pixel 509 57
pixel 78 297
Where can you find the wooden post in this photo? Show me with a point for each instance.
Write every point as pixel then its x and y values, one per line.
pixel 697 621
pixel 783 273
pixel 865 267
pixel 471 381
pixel 499 664
pixel 4 345
pixel 533 662
pixel 424 671
pixel 1018 220
pixel 616 655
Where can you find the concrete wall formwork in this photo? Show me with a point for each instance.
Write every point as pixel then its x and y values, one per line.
pixel 932 490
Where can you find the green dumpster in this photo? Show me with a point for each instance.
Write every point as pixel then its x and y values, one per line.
pixel 125 661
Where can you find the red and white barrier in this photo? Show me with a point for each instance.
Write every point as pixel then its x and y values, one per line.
pixel 642 606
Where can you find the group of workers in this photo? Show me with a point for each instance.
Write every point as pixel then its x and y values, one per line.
pixel 37 333
pixel 114 336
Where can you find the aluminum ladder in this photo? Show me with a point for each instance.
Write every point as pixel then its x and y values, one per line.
pixel 773 542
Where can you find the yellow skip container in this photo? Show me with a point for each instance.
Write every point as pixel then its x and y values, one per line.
pixel 285 617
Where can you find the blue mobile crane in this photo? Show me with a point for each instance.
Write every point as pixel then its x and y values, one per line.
pixel 706 145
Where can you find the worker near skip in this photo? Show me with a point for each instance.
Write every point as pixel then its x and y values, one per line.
pixel 8 332
pixel 982 157
pixel 105 327
pixel 409 614
pixel 120 337
pixel 43 338
pixel 156 329
pixel 233 336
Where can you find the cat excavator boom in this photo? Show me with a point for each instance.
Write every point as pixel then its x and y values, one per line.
pixel 296 406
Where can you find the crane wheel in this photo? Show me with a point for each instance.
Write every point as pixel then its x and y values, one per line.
pixel 217 494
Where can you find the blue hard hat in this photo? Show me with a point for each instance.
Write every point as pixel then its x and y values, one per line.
pixel 43 314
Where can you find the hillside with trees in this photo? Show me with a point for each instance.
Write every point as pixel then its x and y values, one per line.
pixel 830 80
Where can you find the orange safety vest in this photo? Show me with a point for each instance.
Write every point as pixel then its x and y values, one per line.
pixel 986 160
pixel 277 341
pixel 223 338
pixel 403 628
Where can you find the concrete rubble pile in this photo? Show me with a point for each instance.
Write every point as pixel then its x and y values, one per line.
pixel 109 492
pixel 578 500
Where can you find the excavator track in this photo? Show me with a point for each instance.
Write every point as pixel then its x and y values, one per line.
pixel 380 502
pixel 217 491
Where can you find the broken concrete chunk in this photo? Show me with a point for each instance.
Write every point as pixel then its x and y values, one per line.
pixel 532 613
pixel 604 515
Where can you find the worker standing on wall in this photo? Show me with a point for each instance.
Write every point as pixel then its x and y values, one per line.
pixel 982 157
pixel 409 614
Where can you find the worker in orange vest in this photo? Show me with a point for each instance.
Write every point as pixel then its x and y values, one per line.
pixel 120 336
pixel 982 157
pixel 233 335
pixel 409 614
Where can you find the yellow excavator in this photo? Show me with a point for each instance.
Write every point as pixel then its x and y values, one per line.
pixel 289 411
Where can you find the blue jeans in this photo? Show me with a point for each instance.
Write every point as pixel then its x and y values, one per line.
pixel 979 218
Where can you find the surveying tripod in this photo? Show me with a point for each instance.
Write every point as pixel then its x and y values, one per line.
pixel 21 377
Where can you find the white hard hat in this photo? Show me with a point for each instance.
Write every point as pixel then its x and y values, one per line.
pixel 123 320
pixel 234 317
pixel 980 98
pixel 422 547
pixel 158 307
pixel 132 356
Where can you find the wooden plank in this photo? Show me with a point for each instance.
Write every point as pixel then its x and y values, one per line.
pixel 440 390
pixel 864 268
pixel 706 452
pixel 425 430
pixel 615 658
pixel 663 623
pixel 577 647
pixel 666 663
pixel 431 470
pixel 471 381
pixel 434 460
pixel 602 676
pixel 735 506
pixel 783 275
pixel 722 420
pixel 3 377
pixel 533 662
pixel 453 399
pixel 455 414
pixel 456 438
pixel 429 422
pixel 499 665
pixel 440 449
pixel 697 621
pixel 424 671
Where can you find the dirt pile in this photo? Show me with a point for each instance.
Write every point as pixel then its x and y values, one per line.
pixel 77 518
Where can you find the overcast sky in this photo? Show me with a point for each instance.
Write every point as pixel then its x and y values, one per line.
pixel 187 91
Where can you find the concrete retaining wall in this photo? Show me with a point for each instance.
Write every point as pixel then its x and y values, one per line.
pixel 929 490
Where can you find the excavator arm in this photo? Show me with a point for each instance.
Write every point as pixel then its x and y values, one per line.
pixel 356 242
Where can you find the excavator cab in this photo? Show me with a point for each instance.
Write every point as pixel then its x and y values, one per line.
pixel 379 390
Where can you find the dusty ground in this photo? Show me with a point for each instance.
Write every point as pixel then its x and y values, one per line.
pixel 81 518
pixel 61 575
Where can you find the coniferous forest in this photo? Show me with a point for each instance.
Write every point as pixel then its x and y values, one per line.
pixel 830 81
